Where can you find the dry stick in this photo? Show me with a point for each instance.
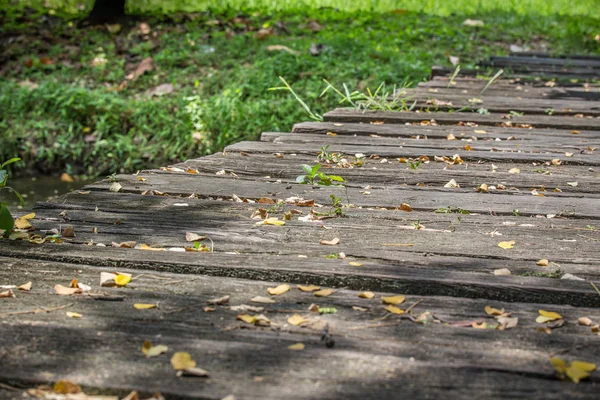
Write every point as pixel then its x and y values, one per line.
pixel 594 286
pixel 11 388
pixel 36 311
pixel 413 306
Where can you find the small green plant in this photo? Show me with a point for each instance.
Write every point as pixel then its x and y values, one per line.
pixel 550 111
pixel 336 206
pixel 590 227
pixel 414 165
pixel 288 87
pixel 334 256
pixel 515 113
pixel 516 212
pixel 452 210
pixel 454 75
pixel 483 111
pixel 379 100
pixel 330 158
pixel 314 177
pixel 7 221
pixel 417 224
pixel 492 80
pixel 539 274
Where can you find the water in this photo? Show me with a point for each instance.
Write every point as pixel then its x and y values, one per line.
pixel 37 188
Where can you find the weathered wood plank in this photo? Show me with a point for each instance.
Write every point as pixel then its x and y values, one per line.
pixel 436 87
pixel 523 61
pixel 525 73
pixel 558 122
pixel 366 362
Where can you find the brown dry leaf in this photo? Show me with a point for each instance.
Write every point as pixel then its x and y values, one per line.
pixel 556 161
pixel 263 33
pixel 219 301
pixel 493 311
pixel 405 207
pixel 153 351
pixel 209 309
pixel 182 360
pixel 483 188
pixel 331 242
pixel 542 263
pixel 7 294
pixel 468 147
pixel 65 291
pixel 482 325
pixel 25 287
pixel 72 314
pixel 451 137
pixel 324 292
pixel 297 346
pixel 262 300
pixel 507 245
pixel 575 132
pixel 266 200
pixel 125 245
pixel 394 309
pixel 66 387
pixel 514 170
pixel 281 289
pixel 146 65
pixel 296 320
pixel 115 187
pixel 452 184
pixel 144 306
pixel 547 316
pixel 568 154
pixel 362 309
pixel 366 295
pixel 194 237
pixel 146 247
pixel 507 322
pixel 585 321
pixel 309 288
pixel 393 300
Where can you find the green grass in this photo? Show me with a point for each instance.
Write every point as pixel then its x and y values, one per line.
pixel 75 120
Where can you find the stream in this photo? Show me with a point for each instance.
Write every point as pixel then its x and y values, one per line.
pixel 37 188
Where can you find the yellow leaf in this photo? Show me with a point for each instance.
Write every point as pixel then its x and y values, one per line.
pixel 64 177
pixel 273 221
pixel 182 360
pixel 575 132
pixel 281 289
pixel 355 264
pixel 66 387
pixel 309 288
pixel 324 292
pixel 394 309
pixel 146 247
pixel 296 320
pixel 73 315
pixel 366 295
pixel 514 170
pixel 23 222
pixel 546 316
pixel 583 365
pixel 393 300
pixel 153 351
pixel 559 365
pixel 122 279
pixel 249 319
pixel 542 263
pixel 331 242
pixel 261 299
pixel 483 188
pixel 297 346
pixel 493 311
pixel 482 325
pixel 26 287
pixel 144 306
pixel 579 370
pixel 556 161
pixel 507 245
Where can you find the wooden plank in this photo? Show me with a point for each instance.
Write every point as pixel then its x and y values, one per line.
pixel 370 360
pixel 514 91
pixel 522 73
pixel 523 61
pixel 557 122
pixel 561 56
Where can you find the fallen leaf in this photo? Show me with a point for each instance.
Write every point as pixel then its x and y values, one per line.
pixel 556 161
pixel 575 132
pixel 547 316
pixel 393 300
pixel 514 171
pixel 71 314
pixel 263 300
pixel 452 184
pixel 331 242
pixel 482 325
pixel 66 291
pixel 193 372
pixel 7 294
pixel 394 309
pixel 493 311
pixel 146 65
pixel 297 346
pixel 25 287
pixel 23 222
pixel 309 288
pixel 219 301
pixel 194 237
pixel 121 280
pixel 271 221
pixel 507 245
pixel 296 320
pixel 281 289
pixel 324 292
pixel 278 47
pixel 502 272
pixel 405 207
pixel 366 295
pixel 144 306
pixel 125 245
pixel 585 321
pixel 579 370
pixel 542 263
pixel 483 188
pixel 66 177
pixel 146 247
pixel 259 320
pixel 451 137
pixel 115 187
pixel 182 360
pixel 507 322
pixel 153 351
pixel 573 184
pixel 355 264
pixel 66 387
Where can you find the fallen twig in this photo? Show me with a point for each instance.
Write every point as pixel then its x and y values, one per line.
pixel 416 303
pixel 35 311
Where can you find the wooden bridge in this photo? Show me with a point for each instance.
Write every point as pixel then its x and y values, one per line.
pixel 422 276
